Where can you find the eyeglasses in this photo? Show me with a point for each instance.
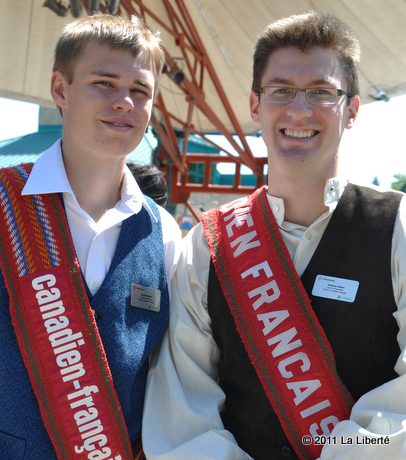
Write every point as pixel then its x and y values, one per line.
pixel 315 96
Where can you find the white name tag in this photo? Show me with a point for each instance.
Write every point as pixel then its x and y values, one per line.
pixel 145 297
pixel 330 287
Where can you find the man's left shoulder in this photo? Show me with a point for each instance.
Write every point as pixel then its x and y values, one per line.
pixel 376 191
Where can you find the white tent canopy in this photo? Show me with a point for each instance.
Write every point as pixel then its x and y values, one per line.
pixel 228 29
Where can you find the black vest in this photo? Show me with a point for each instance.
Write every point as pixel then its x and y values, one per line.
pixel 356 245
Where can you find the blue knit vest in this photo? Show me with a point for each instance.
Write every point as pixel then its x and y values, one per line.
pixel 129 335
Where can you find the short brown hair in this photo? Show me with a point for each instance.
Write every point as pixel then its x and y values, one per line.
pixel 306 31
pixel 130 35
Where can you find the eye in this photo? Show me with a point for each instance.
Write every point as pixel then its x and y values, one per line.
pixel 282 91
pixel 104 83
pixel 322 91
pixel 140 91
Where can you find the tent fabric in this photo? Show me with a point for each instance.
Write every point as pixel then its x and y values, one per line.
pixel 228 30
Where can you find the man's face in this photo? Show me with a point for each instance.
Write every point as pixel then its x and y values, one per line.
pixel 299 133
pixel 107 106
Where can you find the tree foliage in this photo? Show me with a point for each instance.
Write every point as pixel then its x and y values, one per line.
pixel 400 183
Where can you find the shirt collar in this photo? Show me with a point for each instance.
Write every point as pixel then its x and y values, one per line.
pixel 333 190
pixel 132 196
pixel 48 175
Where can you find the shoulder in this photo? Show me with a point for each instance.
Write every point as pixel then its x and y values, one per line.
pixel 170 228
pixel 374 200
pixel 373 190
pixel 195 250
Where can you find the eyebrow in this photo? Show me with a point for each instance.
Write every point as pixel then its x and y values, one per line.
pixel 102 73
pixel 284 81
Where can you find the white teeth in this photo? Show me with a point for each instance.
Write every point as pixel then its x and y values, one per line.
pixel 299 134
pixel 120 124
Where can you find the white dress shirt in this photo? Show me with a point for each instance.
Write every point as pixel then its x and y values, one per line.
pixel 183 401
pixel 95 242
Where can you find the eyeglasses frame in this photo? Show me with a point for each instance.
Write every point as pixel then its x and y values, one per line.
pixel 340 93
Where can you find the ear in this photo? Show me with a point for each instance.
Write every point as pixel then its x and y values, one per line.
pixel 353 111
pixel 254 107
pixel 58 89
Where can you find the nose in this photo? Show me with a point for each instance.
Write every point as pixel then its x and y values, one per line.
pixel 123 101
pixel 299 106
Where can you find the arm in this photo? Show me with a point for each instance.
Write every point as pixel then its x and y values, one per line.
pixel 382 411
pixel 183 400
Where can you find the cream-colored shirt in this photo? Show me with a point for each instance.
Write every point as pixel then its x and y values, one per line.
pixel 95 242
pixel 183 401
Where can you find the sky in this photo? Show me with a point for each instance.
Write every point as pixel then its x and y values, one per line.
pixel 17 118
pixel 374 147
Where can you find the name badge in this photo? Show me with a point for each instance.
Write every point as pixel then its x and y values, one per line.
pixel 334 288
pixel 145 297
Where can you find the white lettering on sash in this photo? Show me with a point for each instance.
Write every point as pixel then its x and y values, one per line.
pixel 303 389
pixel 84 416
pixel 326 425
pixel 48 295
pixel 267 293
pixel 68 358
pixel 316 408
pixel 38 283
pixel 237 222
pixel 255 271
pixel 283 341
pixel 56 324
pixel 282 338
pixel 65 344
pixel 276 316
pixel 282 366
pixel 52 309
pixel 244 243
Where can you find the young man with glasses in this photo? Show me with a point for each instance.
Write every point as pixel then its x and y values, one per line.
pixel 289 308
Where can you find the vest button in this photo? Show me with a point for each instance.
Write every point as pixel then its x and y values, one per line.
pixel 286 451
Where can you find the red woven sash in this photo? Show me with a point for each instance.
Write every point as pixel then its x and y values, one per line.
pixel 55 326
pixel 273 315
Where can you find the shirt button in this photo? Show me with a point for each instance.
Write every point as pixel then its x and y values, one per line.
pixel 276 208
pixel 309 236
pixel 286 451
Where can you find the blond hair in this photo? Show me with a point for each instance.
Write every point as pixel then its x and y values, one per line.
pixel 116 32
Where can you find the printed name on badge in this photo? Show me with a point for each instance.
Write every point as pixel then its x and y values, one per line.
pixel 145 297
pixel 334 288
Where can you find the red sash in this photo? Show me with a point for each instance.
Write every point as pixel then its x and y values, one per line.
pixel 273 315
pixel 55 326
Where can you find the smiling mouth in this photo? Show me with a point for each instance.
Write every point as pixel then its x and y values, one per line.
pixel 299 134
pixel 119 126
pixel 123 125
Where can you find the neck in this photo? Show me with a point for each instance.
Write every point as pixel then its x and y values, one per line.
pixel 303 196
pixel 95 183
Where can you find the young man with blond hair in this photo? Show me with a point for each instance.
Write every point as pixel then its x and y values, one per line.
pixel 86 258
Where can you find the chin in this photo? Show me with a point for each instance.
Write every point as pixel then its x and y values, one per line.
pixel 296 153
